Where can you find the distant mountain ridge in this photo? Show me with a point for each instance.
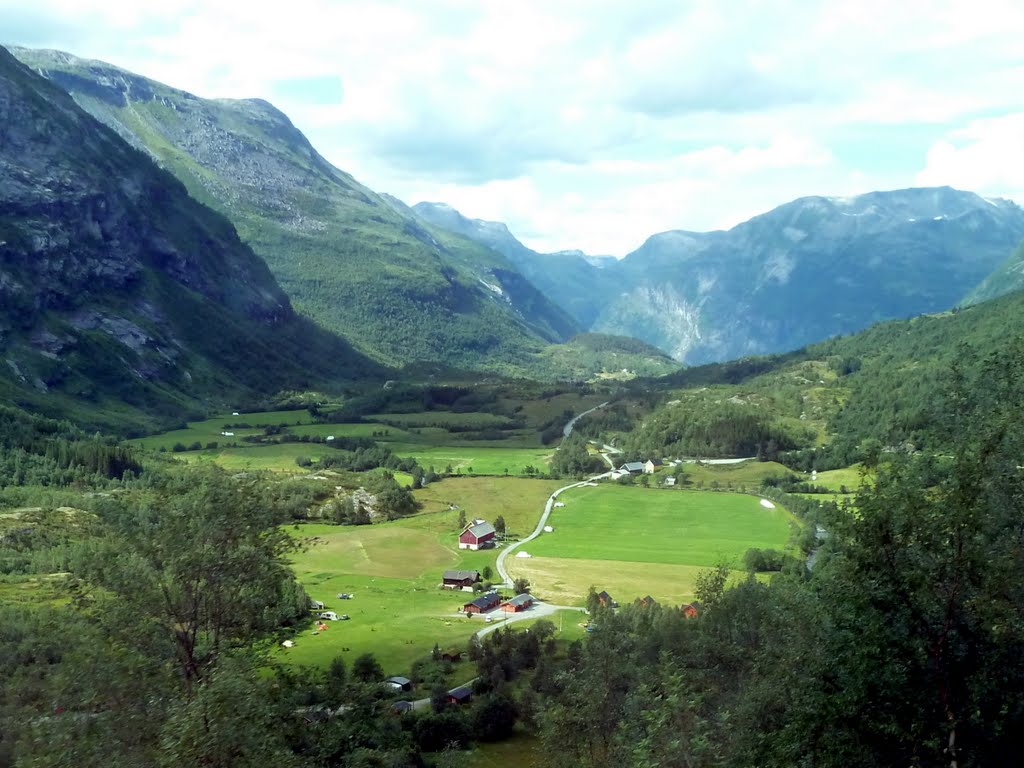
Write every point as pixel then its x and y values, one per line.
pixel 359 263
pixel 569 278
pixel 803 272
pixel 122 296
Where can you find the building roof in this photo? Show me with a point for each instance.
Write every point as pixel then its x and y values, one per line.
pixel 633 466
pixel 604 597
pixel 461 693
pixel 402 706
pixel 398 680
pixel 655 462
pixel 480 530
pixel 523 599
pixel 461 575
pixel 485 601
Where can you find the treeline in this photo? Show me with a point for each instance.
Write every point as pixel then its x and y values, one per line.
pixel 38 451
pixel 718 430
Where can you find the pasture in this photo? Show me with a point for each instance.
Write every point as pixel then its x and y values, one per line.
pixel 635 541
pixel 394 570
pixel 429 445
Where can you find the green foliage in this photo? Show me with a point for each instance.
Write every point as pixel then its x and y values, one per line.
pixel 573 459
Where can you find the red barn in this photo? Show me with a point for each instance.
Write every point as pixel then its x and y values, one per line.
pixel 477 536
pixel 483 603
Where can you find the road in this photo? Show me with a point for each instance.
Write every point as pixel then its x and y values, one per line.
pixel 567 430
pixel 548 506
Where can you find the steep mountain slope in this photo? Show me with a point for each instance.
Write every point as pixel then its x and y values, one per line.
pixel 354 261
pixel 124 301
pixel 1006 278
pixel 810 269
pixel 890 386
pixel 572 279
pixel 805 271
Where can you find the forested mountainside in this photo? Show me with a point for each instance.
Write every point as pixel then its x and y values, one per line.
pixel 805 271
pixel 834 403
pixel 1006 278
pixel 358 263
pixel 126 302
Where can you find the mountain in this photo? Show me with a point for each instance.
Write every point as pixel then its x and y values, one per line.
pixel 810 269
pixel 126 303
pixel 572 279
pixel 1006 278
pixel 805 271
pixel 357 262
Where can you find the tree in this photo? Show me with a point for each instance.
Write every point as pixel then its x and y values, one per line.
pixel 462 519
pixel 499 525
pixel 201 565
pixel 487 572
pixel 367 669
pixel 521 586
pixel 494 718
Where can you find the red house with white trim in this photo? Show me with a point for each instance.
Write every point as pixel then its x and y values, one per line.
pixel 477 536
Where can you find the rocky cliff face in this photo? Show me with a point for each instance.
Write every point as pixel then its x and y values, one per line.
pixel 808 270
pixel 361 264
pixel 109 270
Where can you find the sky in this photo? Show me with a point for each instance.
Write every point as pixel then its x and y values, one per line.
pixel 594 124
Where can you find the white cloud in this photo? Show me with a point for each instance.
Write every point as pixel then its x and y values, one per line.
pixel 986 156
pixel 594 123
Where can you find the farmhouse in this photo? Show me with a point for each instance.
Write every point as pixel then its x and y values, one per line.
pixel 691 610
pixel 477 536
pixel 459 579
pixel 647 601
pixel 651 466
pixel 482 604
pixel 461 695
pixel 604 599
pixel 518 603
pixel 633 467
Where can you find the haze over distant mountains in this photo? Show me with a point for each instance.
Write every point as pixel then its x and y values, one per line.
pixel 805 271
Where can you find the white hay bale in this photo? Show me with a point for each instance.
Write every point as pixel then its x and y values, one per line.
pixel 767 504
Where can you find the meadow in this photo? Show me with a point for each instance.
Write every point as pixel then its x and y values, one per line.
pixel 636 541
pixel 430 446
pixel 394 570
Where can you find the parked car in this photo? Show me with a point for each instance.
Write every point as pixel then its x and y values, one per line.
pixel 343 617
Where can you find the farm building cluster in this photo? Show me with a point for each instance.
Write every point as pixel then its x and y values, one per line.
pixel 491 600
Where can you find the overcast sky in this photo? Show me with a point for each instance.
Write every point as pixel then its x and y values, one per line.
pixel 595 124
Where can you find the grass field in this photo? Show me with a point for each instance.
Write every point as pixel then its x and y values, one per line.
pixel 612 522
pixel 474 460
pixel 394 569
pixel 745 476
pixel 430 446
pixel 634 541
